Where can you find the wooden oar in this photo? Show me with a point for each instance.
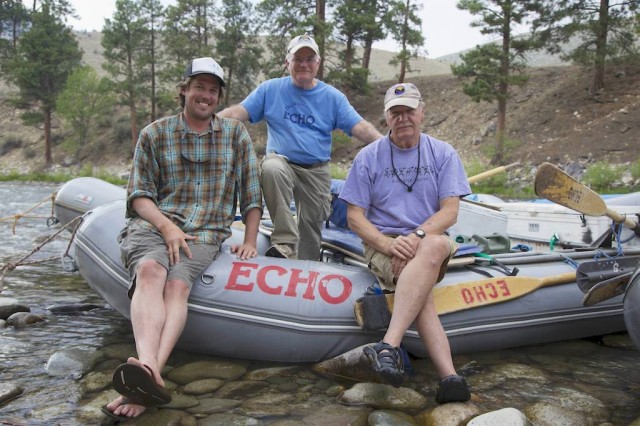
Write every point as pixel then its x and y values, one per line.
pixel 489 173
pixel 592 272
pixel 458 297
pixel 557 186
pixel 607 289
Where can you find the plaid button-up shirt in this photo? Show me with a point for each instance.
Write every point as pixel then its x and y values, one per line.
pixel 197 181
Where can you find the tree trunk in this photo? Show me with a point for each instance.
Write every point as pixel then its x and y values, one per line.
pixel 134 123
pixel 601 47
pixel 319 34
pixel 366 55
pixel 48 159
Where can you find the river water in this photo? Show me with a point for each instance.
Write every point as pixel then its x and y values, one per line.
pixel 597 379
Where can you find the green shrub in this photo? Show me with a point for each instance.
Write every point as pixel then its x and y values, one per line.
pixel 601 176
pixel 339 139
pixel 338 172
pixel 635 169
pixel 10 142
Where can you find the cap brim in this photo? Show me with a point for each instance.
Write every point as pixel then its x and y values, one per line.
pixel 207 72
pixel 411 103
pixel 300 46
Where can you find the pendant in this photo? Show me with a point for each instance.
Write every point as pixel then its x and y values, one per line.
pixel 409 189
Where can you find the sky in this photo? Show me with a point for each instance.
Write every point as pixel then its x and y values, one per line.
pixel 445 28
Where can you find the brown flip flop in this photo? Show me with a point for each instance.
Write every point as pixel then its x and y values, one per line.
pixel 137 384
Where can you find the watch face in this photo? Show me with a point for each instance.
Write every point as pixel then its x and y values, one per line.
pixel 419 232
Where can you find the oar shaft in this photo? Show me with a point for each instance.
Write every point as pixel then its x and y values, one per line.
pixel 618 218
pixel 489 173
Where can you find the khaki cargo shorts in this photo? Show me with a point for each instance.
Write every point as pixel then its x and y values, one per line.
pixel 380 264
pixel 137 244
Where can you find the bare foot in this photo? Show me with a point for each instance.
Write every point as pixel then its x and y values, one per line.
pixel 155 373
pixel 120 407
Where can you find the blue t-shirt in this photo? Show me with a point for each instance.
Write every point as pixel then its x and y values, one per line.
pixel 299 121
pixel 373 186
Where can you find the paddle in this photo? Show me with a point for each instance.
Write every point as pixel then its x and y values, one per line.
pixel 593 272
pixel 457 297
pixel 607 289
pixel 489 173
pixel 557 186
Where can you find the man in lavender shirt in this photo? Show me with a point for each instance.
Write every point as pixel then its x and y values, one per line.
pixel 403 191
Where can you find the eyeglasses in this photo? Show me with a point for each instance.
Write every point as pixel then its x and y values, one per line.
pixel 309 60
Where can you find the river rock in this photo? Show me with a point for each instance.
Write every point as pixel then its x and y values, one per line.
pixel 334 414
pixel 241 389
pixel 228 420
pixel 72 309
pixel 9 391
pixel 543 414
pixel 180 401
pixel 390 418
pixel 23 319
pixel 504 417
pixel 96 381
pixel 581 402
pixel 452 414
pixel 120 351
pixel 2 323
pixel 383 397
pixel 200 387
pixel 214 405
pixel 267 373
pixel 166 417
pixel 71 363
pixel 520 372
pixel 9 306
pixel 218 369
pixel 351 365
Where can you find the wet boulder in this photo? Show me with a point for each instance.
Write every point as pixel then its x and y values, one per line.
pixel 10 306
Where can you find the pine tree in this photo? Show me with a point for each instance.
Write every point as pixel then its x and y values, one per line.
pixel 45 56
pixel 496 66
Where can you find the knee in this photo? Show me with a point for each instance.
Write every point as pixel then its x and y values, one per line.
pixel 176 289
pixel 150 273
pixel 434 248
pixel 273 168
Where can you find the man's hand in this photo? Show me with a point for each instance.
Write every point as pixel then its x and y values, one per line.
pixel 402 249
pixel 176 239
pixel 244 251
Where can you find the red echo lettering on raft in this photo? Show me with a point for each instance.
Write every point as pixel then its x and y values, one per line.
pixel 280 281
pixel 479 294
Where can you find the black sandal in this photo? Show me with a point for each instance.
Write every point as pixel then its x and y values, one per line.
pixel 452 389
pixel 387 361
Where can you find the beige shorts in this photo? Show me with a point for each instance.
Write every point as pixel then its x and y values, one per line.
pixel 138 244
pixel 380 265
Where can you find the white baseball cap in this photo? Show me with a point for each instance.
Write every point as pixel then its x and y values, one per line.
pixel 406 94
pixel 301 41
pixel 205 66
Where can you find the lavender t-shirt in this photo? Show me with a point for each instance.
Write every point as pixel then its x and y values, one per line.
pixel 373 185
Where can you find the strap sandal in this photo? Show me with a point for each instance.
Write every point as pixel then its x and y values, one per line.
pixel 452 389
pixel 137 384
pixel 387 362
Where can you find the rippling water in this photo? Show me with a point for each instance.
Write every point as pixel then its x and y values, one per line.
pixel 610 374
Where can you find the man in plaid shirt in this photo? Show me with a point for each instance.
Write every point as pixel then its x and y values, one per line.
pixel 189 171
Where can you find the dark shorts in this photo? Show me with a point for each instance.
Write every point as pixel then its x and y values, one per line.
pixel 138 244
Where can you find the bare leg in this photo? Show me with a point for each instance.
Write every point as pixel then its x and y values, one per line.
pixel 414 287
pixel 435 339
pixel 176 294
pixel 148 314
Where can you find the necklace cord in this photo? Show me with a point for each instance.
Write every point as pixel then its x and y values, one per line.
pixel 393 168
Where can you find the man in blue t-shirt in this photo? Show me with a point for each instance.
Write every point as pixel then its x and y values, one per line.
pixel 403 192
pixel 301 112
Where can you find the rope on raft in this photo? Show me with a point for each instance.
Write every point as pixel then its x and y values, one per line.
pixel 16 217
pixel 10 266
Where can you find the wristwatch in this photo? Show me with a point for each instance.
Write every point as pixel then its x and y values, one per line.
pixel 420 233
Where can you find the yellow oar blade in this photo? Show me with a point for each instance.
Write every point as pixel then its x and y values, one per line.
pixel 557 186
pixel 374 312
pixel 457 297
